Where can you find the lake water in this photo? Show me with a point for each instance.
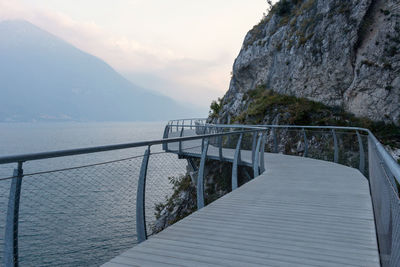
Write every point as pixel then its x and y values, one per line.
pixel 81 216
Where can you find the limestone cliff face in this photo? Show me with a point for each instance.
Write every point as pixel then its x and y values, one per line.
pixel 340 53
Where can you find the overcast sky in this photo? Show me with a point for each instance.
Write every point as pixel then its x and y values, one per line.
pixel 181 48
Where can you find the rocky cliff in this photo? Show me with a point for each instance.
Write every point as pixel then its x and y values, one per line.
pixel 343 54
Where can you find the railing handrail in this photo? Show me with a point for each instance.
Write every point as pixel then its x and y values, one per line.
pixel 191 119
pixel 258 126
pixel 389 160
pixel 96 149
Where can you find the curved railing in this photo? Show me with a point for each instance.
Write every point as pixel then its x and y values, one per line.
pixel 383 171
pixel 47 211
pixel 187 122
pixel 112 203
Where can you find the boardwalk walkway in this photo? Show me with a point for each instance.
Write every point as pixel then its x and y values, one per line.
pixel 300 212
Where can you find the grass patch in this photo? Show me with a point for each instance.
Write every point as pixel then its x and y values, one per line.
pixel 264 102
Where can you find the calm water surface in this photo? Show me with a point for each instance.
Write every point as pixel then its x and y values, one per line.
pixel 85 216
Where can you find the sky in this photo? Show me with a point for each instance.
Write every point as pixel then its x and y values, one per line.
pixel 181 48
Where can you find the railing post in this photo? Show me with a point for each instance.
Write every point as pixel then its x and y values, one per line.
pixel 177 125
pixel 11 231
pixel 253 146
pixel 305 154
pixel 262 150
pixel 229 136
pixel 180 142
pixel 256 170
pixel 191 124
pixel 165 136
pixel 275 140
pixel 140 199
pixel 235 164
pixel 166 131
pixel 200 177
pixel 335 144
pixel 219 145
pixel 361 166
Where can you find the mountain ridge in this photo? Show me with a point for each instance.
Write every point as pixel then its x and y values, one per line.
pixel 42 77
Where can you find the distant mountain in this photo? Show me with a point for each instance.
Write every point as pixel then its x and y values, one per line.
pixel 44 78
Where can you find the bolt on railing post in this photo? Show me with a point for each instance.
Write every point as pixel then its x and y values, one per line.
pixel 256 170
pixel 200 177
pixel 140 199
pixel 180 142
pixel 361 166
pixel 11 231
pixel 305 143
pixel 236 159
pixel 336 148
pixel 262 150
pixel 275 140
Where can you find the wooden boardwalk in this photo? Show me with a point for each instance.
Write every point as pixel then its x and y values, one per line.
pixel 300 212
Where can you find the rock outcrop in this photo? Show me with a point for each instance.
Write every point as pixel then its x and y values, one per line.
pixel 339 53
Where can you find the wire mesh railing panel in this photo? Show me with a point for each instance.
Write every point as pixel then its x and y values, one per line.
pixel 228 145
pixel 247 141
pixel 214 141
pixel 268 146
pixel 283 140
pixel 364 139
pixel 163 170
pixel 386 202
pixel 290 141
pixel 349 150
pixel 395 206
pixel 217 180
pixel 4 192
pixel 78 217
pixel 320 145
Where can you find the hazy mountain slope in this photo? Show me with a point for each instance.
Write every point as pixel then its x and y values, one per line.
pixel 44 78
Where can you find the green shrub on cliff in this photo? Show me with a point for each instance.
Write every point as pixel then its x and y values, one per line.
pixel 215 108
pixel 265 104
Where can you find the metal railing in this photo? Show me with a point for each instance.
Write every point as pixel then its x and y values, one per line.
pixel 51 212
pixel 188 122
pixel 92 212
pixel 382 171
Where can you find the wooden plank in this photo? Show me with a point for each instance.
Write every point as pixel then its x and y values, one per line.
pixel 300 212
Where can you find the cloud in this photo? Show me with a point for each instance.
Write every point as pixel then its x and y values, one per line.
pixel 119 51
pixel 12 10
pixel 186 78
